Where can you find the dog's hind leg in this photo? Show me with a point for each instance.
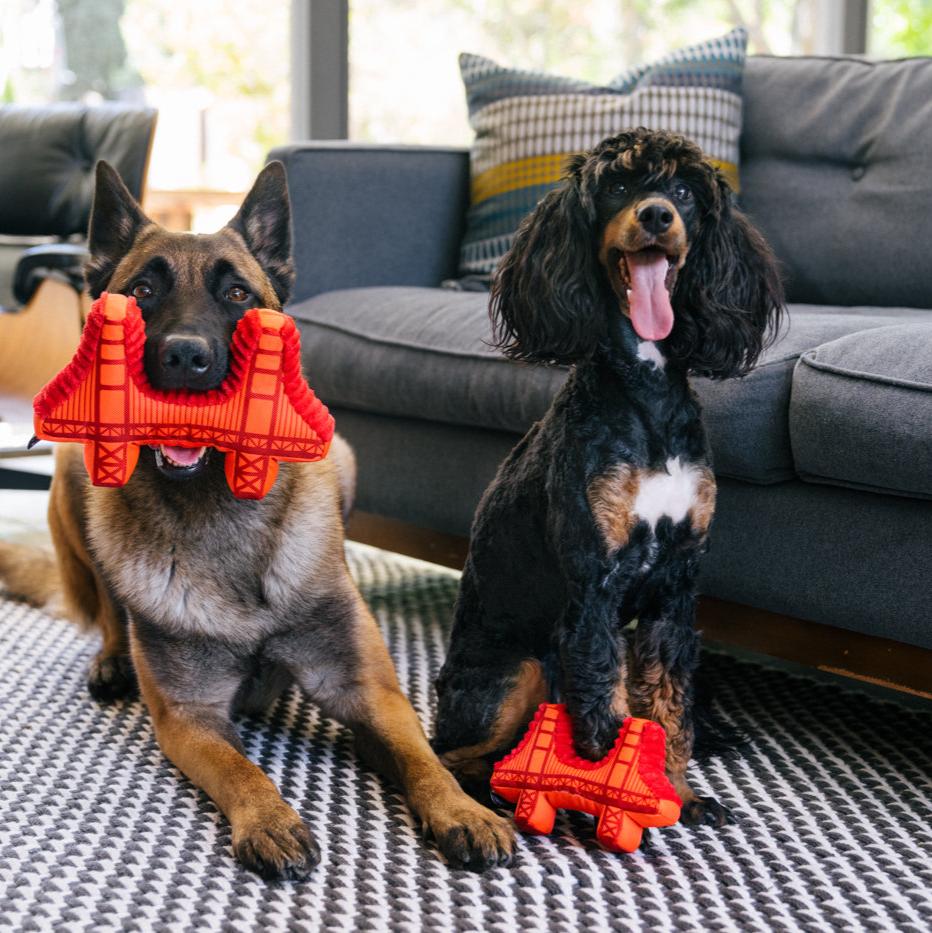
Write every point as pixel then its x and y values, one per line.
pixel 86 597
pixel 488 690
pixel 485 704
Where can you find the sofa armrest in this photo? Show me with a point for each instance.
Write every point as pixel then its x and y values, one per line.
pixel 374 215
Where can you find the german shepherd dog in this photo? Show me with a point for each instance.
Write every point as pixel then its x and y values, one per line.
pixel 215 605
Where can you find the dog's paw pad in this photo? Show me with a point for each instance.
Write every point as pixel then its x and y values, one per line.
pixel 277 851
pixel 704 811
pixel 112 677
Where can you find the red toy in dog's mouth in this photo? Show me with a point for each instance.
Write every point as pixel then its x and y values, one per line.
pixel 263 413
pixel 647 277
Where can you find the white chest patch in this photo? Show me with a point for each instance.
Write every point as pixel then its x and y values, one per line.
pixel 650 353
pixel 672 493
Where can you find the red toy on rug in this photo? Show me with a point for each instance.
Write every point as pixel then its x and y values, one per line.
pixel 627 790
pixel 263 412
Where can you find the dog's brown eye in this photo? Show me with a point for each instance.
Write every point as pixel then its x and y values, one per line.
pixel 237 293
pixel 141 291
pixel 617 187
pixel 682 192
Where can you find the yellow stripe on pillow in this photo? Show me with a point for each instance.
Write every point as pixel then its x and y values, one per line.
pixel 546 170
pixel 521 173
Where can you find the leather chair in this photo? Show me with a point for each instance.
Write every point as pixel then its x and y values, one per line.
pixel 47 182
pixel 46 188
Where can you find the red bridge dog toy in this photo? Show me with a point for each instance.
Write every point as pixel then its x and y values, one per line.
pixel 627 790
pixel 262 413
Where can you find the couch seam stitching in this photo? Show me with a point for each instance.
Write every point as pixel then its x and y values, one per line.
pixel 809 360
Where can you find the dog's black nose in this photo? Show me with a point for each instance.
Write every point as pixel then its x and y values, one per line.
pixel 655 218
pixel 183 359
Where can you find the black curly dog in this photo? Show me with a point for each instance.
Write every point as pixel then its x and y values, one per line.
pixel 638 271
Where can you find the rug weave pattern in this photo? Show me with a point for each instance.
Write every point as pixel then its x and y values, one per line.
pixel 97 831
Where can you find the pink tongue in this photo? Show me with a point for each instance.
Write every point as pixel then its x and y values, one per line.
pixel 648 299
pixel 184 456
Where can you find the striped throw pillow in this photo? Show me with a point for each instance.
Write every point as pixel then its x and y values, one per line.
pixel 528 124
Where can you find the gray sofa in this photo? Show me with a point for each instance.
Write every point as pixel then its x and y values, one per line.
pixel 823 453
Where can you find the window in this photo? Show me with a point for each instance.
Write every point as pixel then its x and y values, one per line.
pixel 404 80
pixel 217 70
pixel 900 28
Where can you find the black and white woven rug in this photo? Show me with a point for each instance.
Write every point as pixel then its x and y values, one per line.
pixel 97 831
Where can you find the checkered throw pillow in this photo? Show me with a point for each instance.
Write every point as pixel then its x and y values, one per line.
pixel 528 124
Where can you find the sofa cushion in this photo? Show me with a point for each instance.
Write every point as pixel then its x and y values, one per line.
pixel 747 419
pixel 861 411
pixel 421 352
pixel 835 171
pixel 424 353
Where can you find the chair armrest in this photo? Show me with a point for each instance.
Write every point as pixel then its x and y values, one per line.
pixel 62 261
pixel 374 215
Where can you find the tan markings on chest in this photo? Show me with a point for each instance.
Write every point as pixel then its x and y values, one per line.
pixel 611 498
pixel 624 496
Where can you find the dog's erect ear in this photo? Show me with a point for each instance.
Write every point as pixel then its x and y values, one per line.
pixel 116 219
pixel 264 223
pixel 728 299
pixel 546 303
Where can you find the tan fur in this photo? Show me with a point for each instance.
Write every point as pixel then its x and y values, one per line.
pixel 702 512
pixel 527 691
pixel 85 597
pixel 187 264
pixel 611 498
pixel 343 458
pixel 621 703
pixel 613 501
pixel 29 574
pixel 432 791
pixel 201 744
pixel 655 695
pixel 624 233
pixel 173 577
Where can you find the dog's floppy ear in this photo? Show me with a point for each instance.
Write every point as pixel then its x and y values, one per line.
pixel 116 219
pixel 729 297
pixel 546 303
pixel 264 223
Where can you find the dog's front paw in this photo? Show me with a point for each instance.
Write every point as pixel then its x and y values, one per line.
pixel 111 677
pixel 471 836
pixel 277 846
pixel 594 735
pixel 704 811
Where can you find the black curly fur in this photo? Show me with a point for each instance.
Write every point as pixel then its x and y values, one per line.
pixel 540 581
